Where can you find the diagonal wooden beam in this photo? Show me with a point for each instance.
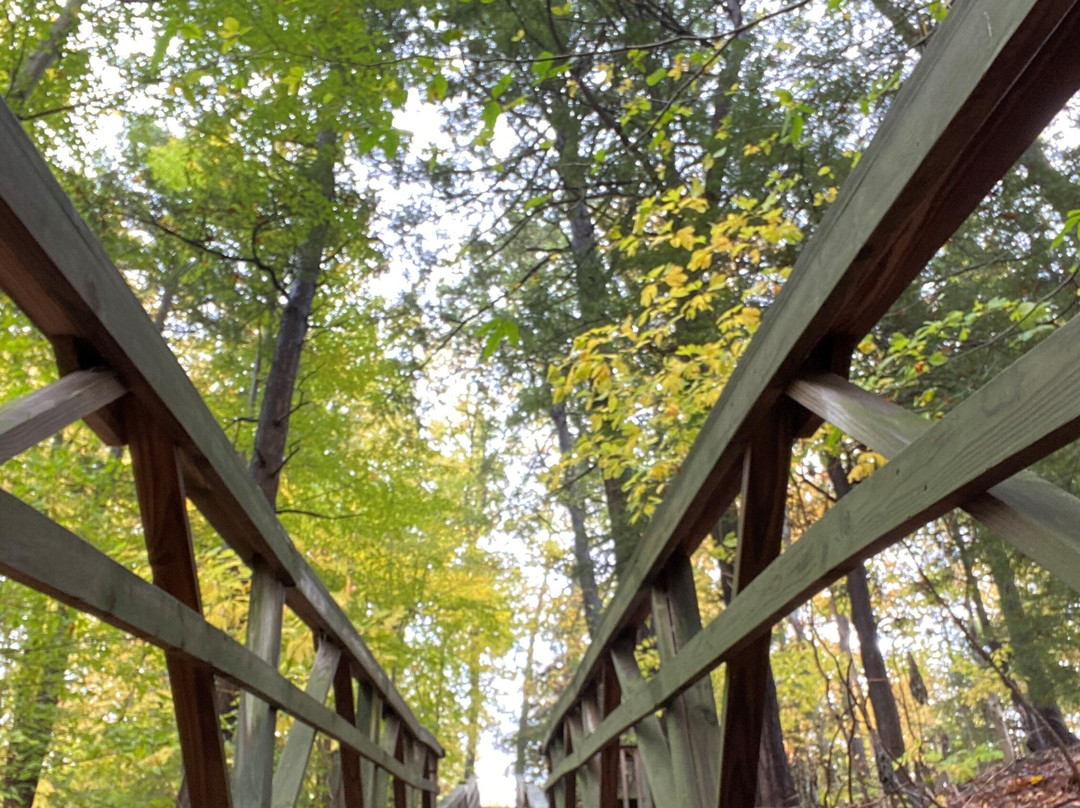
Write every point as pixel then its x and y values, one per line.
pixel 994 74
pixel 163 508
pixel 32 418
pixel 651 740
pixel 289 777
pixel 1035 516
pixel 690 720
pixel 1027 411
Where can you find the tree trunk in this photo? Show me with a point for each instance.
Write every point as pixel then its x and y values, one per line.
pixel 1026 657
pixel 886 714
pixel 584 568
pixel 268 456
pixel 31 71
pixel 521 742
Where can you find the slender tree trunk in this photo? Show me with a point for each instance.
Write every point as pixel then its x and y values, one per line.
pixel 527 684
pixel 32 70
pixel 853 698
pixel 886 714
pixel 584 567
pixel 1026 657
pixel 268 456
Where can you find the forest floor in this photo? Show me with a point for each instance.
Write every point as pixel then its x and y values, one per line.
pixel 1041 780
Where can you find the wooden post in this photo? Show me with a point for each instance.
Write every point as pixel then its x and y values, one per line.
pixel 289 777
pixel 578 724
pixel 431 772
pixel 652 742
pixel 253 771
pixel 607 700
pixel 692 728
pixel 163 508
pixel 352 783
pixel 391 730
pixel 766 467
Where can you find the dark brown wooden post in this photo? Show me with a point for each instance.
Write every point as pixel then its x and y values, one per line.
pixel 163 507
pixel 352 785
pixel 608 699
pixel 766 467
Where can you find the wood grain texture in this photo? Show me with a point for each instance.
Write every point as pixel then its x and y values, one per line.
pixel 1027 411
pixel 651 740
pixel 163 507
pixel 90 581
pixel 57 272
pixel 1034 516
pixel 993 75
pixel 32 418
pixel 762 510
pixel 690 720
pixel 292 766
pixel 253 767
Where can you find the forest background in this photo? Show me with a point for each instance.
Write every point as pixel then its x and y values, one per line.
pixel 465 364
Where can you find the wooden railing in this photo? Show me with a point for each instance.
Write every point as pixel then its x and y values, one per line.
pixel 994 74
pixel 121 378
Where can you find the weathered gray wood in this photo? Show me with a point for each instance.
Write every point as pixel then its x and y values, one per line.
pixel 253 768
pixel 162 505
pixel 994 74
pixel 651 740
pixel 762 508
pixel 369 722
pixel 1027 411
pixel 57 272
pixel 30 419
pixel 692 728
pixel 289 777
pixel 1035 516
pixel 560 791
pixel 390 736
pixel 90 581
pixel 580 726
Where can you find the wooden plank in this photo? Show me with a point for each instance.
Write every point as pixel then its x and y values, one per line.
pixel 993 75
pixel 431 772
pixel 90 581
pixel 57 272
pixel 352 783
pixel 606 702
pixel 388 742
pixel 651 739
pixel 32 418
pixel 762 510
pixel 579 725
pixel 1035 516
pixel 1027 411
pixel 559 791
pixel 253 768
pixel 289 777
pixel 692 728
pixel 369 722
pixel 163 508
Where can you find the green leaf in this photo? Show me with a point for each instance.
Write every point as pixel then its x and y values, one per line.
pixel 656 76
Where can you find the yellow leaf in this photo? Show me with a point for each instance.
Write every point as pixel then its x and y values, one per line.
pixel 648 294
pixel 868 346
pixel 684 238
pixel 700 259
